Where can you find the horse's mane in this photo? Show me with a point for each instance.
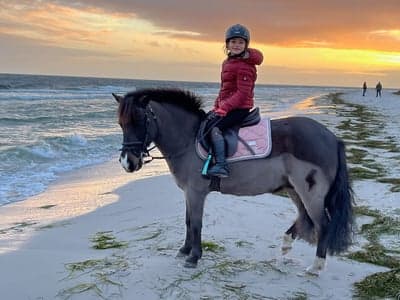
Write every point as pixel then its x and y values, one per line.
pixel 183 98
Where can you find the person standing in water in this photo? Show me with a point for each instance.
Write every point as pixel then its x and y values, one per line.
pixel 379 89
pixel 364 88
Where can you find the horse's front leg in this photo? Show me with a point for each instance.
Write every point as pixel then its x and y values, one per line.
pixel 187 246
pixel 194 206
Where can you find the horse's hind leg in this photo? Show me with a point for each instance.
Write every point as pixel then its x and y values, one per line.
pixel 318 214
pixel 313 199
pixel 288 239
pixel 320 258
pixel 290 234
pixel 303 224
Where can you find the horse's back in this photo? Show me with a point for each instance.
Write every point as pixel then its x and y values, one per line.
pixel 305 139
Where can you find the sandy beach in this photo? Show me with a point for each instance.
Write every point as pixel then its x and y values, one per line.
pixel 49 244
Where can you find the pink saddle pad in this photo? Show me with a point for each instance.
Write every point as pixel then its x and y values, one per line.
pixel 257 137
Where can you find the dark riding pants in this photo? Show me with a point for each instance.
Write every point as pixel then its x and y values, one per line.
pixel 233 118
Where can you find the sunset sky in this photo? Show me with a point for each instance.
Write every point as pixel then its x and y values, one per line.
pixel 305 42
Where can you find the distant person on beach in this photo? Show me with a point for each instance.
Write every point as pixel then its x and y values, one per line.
pixel 235 98
pixel 364 88
pixel 379 89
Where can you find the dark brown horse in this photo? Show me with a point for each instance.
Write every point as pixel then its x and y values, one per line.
pixel 307 160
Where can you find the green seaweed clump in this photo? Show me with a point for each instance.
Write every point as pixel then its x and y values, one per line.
pixel 298 296
pixel 362 173
pixel 105 240
pixel 336 98
pixel 395 182
pixel 374 252
pixel 17 227
pixel 83 265
pixel 241 244
pixel 47 206
pixel 97 276
pixel 381 285
pixel 80 289
pixel 211 246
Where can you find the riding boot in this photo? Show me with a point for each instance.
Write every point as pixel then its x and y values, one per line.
pixel 220 169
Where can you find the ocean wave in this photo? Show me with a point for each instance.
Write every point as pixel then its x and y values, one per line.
pixel 108 89
pixel 29 169
pixel 5 86
pixel 53 95
pixel 21 82
pixel 25 119
pixel 25 185
pixel 47 149
pixel 60 116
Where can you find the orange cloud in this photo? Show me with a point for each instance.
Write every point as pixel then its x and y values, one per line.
pixel 339 24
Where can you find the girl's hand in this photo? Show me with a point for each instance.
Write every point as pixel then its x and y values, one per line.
pixel 211 115
pixel 220 112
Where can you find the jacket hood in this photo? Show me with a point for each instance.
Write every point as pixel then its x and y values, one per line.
pixel 255 56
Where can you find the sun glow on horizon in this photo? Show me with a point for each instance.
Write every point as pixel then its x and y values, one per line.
pixel 339 59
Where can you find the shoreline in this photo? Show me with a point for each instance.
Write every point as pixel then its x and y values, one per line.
pixel 73 194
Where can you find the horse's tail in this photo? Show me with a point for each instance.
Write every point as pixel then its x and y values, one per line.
pixel 339 202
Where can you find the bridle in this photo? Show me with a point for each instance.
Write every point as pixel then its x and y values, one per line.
pixel 141 149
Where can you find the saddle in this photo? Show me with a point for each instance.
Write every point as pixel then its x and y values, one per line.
pixel 248 140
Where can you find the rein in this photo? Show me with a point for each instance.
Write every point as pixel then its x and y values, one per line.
pixel 151 158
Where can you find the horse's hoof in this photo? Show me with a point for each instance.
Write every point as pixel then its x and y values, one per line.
pixel 285 250
pixel 317 267
pixel 181 254
pixel 290 261
pixel 189 264
pixel 287 244
pixel 312 271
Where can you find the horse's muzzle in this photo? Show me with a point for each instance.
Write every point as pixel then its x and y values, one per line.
pixel 130 162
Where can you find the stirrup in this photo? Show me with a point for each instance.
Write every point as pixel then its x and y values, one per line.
pixel 220 171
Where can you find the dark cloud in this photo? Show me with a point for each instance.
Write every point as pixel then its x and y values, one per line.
pixel 300 23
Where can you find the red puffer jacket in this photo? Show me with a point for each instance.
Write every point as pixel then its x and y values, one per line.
pixel 238 77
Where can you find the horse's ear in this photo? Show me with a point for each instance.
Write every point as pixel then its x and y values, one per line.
pixel 143 101
pixel 117 98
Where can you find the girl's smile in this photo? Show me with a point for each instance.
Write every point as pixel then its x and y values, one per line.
pixel 236 45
